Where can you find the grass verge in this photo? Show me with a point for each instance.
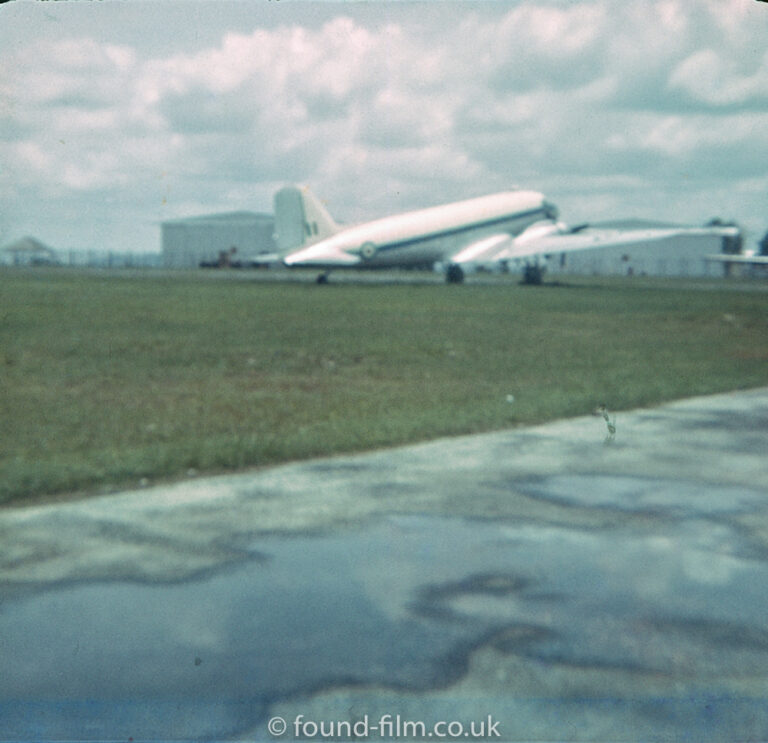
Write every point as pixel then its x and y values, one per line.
pixel 111 381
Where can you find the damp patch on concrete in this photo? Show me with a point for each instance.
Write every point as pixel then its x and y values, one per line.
pixel 401 604
pixel 648 494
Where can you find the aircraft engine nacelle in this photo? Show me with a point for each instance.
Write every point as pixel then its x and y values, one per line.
pixel 541 229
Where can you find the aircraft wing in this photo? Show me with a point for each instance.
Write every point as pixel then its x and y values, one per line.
pixel 586 238
pixel 752 260
pixel 544 238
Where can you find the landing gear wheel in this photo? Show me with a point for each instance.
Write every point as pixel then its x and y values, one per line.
pixel 322 278
pixel 532 275
pixel 454 274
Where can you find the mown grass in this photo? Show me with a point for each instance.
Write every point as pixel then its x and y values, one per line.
pixel 109 380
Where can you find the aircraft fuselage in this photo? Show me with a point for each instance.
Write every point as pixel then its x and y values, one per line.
pixel 425 236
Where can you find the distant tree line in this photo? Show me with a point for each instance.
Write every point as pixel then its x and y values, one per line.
pixel 731 245
pixel 735 244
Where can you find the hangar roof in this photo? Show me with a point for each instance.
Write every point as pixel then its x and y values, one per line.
pixel 241 217
pixel 635 224
pixel 27 245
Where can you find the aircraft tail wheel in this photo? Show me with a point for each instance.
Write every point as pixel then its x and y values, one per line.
pixel 367 251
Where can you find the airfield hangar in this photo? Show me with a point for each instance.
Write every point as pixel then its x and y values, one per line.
pixel 682 255
pixel 204 240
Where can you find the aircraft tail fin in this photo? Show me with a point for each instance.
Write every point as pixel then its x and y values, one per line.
pixel 300 219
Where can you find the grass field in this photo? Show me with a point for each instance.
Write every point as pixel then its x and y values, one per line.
pixel 110 380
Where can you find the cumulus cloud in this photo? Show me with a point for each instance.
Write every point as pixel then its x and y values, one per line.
pixel 710 77
pixel 381 108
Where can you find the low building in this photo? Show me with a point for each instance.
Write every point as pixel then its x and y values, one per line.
pixel 232 237
pixel 28 251
pixel 681 255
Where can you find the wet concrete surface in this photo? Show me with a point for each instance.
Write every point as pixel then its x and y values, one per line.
pixel 570 588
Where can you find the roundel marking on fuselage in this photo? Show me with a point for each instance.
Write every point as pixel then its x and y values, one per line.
pixel 367 250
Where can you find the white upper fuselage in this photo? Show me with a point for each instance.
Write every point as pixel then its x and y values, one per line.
pixel 424 236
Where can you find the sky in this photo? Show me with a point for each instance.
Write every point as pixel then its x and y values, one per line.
pixel 117 115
